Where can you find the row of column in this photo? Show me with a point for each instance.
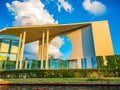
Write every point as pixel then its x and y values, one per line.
pixel 20 49
pixel 43 48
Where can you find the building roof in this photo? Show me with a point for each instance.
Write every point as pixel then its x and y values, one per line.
pixel 34 33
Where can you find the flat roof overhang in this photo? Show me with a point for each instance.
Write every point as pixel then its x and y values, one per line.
pixel 34 33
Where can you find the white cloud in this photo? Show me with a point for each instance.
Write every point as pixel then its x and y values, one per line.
pixel 32 47
pixel 61 4
pixel 64 4
pixel 54 47
pixel 32 12
pixel 94 7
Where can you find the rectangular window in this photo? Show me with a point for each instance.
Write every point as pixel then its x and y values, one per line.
pixel 93 62
pixel 14 46
pixel 84 63
pixel 5 46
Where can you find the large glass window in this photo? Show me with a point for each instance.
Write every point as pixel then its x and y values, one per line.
pixel 5 45
pixel 8 53
pixel 12 57
pixel 55 63
pixel 3 56
pixel 14 46
pixel 73 63
pixel 93 62
pixel 84 63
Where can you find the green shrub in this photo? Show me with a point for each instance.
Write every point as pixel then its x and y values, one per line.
pixel 60 73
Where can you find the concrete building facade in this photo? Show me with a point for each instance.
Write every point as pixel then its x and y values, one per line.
pixel 89 39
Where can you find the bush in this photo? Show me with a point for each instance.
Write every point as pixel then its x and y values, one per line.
pixel 60 73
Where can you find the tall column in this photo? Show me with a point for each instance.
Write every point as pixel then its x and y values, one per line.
pixel 47 44
pixel 42 53
pixel 45 50
pixel 18 52
pixel 22 48
pixel 39 49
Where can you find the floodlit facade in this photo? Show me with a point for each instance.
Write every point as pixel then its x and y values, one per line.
pixel 89 39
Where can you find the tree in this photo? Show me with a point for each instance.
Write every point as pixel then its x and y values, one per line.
pixel 111 62
pixel 100 62
pixel 117 61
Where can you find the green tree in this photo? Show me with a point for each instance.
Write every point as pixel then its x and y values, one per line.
pixel 100 62
pixel 111 62
pixel 117 61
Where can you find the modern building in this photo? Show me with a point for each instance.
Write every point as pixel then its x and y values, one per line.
pixel 89 39
pixel 8 52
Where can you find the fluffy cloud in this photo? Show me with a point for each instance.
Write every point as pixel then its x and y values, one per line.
pixel 94 7
pixel 32 12
pixel 55 45
pixel 61 4
pixel 64 4
pixel 32 47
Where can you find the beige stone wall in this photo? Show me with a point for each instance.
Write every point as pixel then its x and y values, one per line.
pixel 102 38
pixel 76 40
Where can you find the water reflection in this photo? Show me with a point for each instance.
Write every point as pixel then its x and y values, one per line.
pixel 37 87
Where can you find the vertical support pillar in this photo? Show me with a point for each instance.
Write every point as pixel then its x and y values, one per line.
pixel 18 52
pixel 39 49
pixel 47 44
pixel 22 48
pixel 45 50
pixel 42 53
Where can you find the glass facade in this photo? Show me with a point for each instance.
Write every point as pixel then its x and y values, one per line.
pixel 31 64
pixel 8 53
pixel 52 64
pixel 72 63
pixel 84 63
pixel 93 62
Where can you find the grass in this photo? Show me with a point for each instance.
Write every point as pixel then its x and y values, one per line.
pixel 61 79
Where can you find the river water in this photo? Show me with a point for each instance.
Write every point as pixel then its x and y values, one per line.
pixel 37 87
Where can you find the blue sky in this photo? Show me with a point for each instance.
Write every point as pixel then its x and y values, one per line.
pixel 66 11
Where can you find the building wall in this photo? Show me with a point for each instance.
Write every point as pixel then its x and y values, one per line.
pixel 8 49
pixel 102 38
pixel 88 45
pixel 77 50
pixel 89 42
pixel 5 46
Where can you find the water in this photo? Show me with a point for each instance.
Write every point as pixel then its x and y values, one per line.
pixel 37 87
